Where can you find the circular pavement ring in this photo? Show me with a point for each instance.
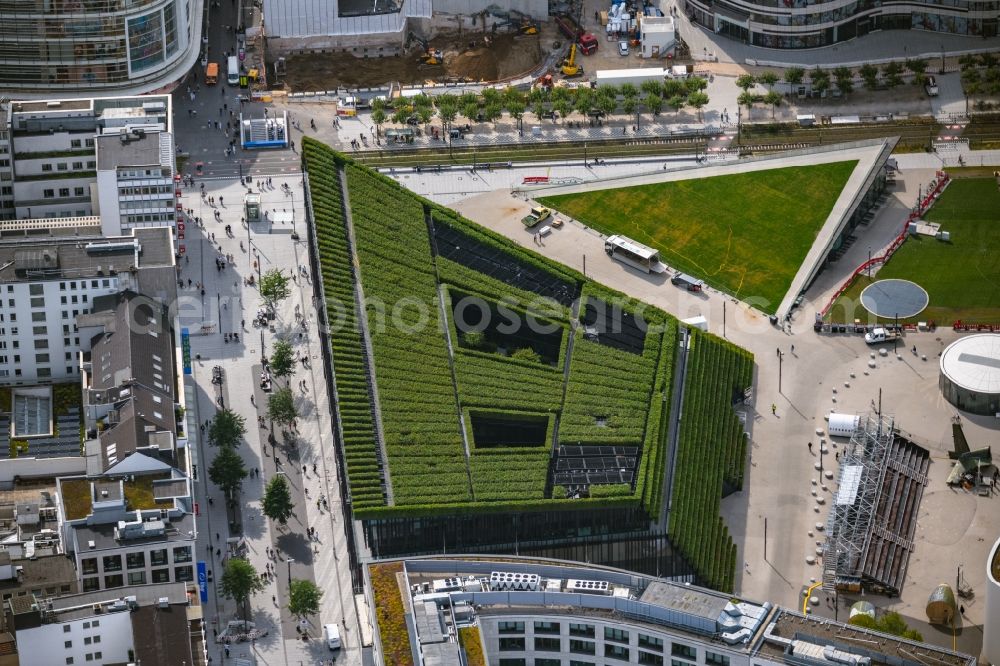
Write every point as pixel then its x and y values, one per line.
pixel 894 298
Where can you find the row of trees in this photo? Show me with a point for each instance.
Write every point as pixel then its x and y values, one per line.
pixel 239 579
pixel 491 105
pixel 889 76
pixel 981 76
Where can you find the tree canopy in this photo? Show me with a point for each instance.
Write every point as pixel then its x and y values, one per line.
pixel 303 598
pixel 281 406
pixel 239 581
pixel 227 428
pixel 277 501
pixel 228 471
pixel 274 286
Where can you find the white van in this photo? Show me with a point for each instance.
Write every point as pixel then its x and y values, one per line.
pixel 331 633
pixel 233 75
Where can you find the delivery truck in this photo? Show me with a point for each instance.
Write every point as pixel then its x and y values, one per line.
pixel 211 73
pixel 616 77
pixel 573 31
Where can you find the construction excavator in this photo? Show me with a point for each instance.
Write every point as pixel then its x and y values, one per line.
pixel 428 56
pixel 569 67
pixel 523 23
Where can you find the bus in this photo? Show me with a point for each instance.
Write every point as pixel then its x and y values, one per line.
pixel 233 75
pixel 634 254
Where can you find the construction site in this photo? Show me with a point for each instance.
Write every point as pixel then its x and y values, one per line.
pixel 448 58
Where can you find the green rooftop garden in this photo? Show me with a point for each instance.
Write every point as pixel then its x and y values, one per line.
pixel 744 233
pixel 473 411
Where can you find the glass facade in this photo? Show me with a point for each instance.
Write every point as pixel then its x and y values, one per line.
pixel 796 24
pixel 74 44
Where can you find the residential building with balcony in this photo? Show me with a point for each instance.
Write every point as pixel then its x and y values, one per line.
pixel 524 612
pixel 800 24
pixel 90 45
pixel 57 149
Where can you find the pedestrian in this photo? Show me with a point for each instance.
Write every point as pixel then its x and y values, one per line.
pixel 836 456
pixel 314 469
pixel 774 409
pixel 961 610
pixel 793 349
pixel 777 351
pixel 810 445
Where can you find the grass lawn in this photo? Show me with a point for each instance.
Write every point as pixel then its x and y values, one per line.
pixel 962 278
pixel 744 233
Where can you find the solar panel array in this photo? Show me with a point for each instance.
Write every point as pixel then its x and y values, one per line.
pixel 65 444
pixel 586 465
pixel 471 253
pixel 611 326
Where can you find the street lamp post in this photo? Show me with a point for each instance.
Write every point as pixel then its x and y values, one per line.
pixel 781 357
pixel 290 560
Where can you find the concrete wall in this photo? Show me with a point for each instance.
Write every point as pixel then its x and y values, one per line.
pixel 538 9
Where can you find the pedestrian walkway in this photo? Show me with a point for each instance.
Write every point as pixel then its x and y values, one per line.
pixel 229 307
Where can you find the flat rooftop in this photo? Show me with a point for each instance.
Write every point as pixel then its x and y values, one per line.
pixel 103 536
pixel 161 635
pixel 818 633
pixel 78 606
pixel 57 257
pixel 138 151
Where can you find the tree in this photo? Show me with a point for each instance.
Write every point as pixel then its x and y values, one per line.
pixel 239 581
pixel 281 406
pixel 892 73
pixel 400 115
pixel 471 111
pixel 468 98
pixel 492 96
pixel 692 84
pixel 819 79
pixel 653 102
pixel 845 86
pixel 303 598
pixel 227 471
pixel 563 107
pixel 673 87
pixel 425 113
pixel 492 112
pixel 630 105
pixel 607 104
pixel 227 428
pixel 538 108
pixel 378 118
pixel 697 101
pixel 919 68
pixel 768 79
pixel 869 74
pixel 277 501
pixel 745 82
pixel 774 99
pixel 746 99
pixel 652 88
pixel 274 287
pixel 676 103
pixel 629 90
pixel 584 101
pixel 515 107
pixel 447 106
pixel 794 75
pixel 890 623
pixel 282 359
pixel 526 354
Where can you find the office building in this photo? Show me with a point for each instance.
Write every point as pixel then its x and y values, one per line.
pixel 76 46
pixel 47 281
pixel 132 525
pixel 152 625
pixel 524 612
pixel 799 24
pixel 58 149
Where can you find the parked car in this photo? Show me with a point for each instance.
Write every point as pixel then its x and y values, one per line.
pixel 623 48
pixel 930 87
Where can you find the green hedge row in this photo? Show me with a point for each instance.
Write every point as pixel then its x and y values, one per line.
pixel 364 473
pixel 413 374
pixel 711 449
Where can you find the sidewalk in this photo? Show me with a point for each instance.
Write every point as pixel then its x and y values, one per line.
pixel 227 301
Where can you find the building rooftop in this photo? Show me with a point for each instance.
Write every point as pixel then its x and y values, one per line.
pixel 138 149
pixel 77 606
pixel 78 494
pixel 973 362
pixel 803 640
pixel 43 576
pixel 91 115
pixel 106 537
pixel 160 635
pixel 58 257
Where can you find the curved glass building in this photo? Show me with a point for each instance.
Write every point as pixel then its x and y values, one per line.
pixel 799 24
pixel 90 45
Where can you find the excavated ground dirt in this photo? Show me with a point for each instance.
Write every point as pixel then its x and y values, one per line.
pixel 465 58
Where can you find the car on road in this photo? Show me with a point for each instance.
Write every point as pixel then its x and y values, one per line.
pixel 931 87
pixel 623 48
pixel 331 633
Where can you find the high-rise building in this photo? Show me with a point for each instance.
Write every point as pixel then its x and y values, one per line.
pixel 87 45
pixel 800 24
